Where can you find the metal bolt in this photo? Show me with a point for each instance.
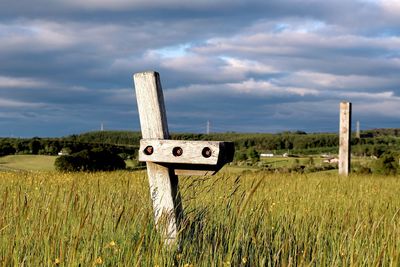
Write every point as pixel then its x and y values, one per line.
pixel 177 151
pixel 148 150
pixel 206 152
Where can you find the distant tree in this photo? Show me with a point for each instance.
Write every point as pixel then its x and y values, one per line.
pixel 6 149
pixel 240 156
pixel 388 163
pixel 68 164
pixel 288 144
pixel 34 146
pixel 252 154
pixel 95 160
pixel 105 160
pixel 378 150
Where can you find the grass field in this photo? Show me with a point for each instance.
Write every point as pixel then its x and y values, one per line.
pixel 277 162
pixel 256 219
pixel 27 162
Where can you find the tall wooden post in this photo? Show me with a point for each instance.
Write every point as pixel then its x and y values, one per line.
pixel 164 188
pixel 344 138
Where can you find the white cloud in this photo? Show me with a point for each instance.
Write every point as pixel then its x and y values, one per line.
pixel 391 6
pixel 18 82
pixel 386 109
pixel 380 96
pixel 9 103
pixel 292 43
pixel 252 86
pixel 145 4
pixel 302 91
pixel 171 51
pixel 246 66
pixel 84 37
pixel 35 35
pixel 324 81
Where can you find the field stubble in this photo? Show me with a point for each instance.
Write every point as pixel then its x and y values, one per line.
pixel 253 219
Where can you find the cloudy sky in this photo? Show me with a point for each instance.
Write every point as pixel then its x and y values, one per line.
pixel 247 66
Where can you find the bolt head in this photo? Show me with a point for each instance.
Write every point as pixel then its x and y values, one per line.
pixel 148 150
pixel 206 152
pixel 177 151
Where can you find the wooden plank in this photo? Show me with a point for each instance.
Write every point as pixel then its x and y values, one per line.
pixel 195 157
pixel 178 151
pixel 163 182
pixel 344 138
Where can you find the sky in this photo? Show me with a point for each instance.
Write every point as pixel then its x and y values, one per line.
pixel 66 66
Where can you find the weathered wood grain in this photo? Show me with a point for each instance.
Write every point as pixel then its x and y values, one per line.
pixel 195 157
pixel 163 182
pixel 192 151
pixel 344 138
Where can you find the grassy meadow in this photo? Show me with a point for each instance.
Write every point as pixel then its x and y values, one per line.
pixel 279 161
pixel 27 162
pixel 231 219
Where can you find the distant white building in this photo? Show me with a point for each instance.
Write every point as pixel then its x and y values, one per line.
pixel 331 160
pixel 266 155
pixel 64 152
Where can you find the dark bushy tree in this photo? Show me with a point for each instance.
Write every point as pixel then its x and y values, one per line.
pixel 388 163
pixel 253 154
pixel 105 160
pixel 95 160
pixel 6 149
pixel 35 146
pixel 68 163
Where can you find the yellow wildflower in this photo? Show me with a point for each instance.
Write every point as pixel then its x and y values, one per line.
pixel 57 261
pixel 99 260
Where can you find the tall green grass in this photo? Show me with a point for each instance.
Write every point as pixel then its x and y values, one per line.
pixel 49 218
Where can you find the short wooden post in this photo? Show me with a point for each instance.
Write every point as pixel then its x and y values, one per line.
pixel 344 138
pixel 163 182
pixel 166 159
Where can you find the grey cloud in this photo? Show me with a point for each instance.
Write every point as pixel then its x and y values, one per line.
pixel 246 66
pixel 9 103
pixel 20 82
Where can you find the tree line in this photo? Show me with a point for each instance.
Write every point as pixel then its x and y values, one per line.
pixel 53 146
pixel 127 142
pixel 248 146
